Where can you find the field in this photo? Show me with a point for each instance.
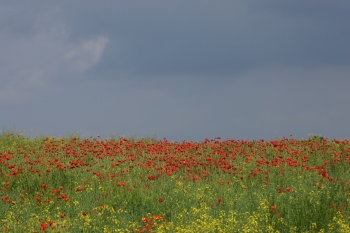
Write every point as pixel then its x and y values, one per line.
pixel 146 185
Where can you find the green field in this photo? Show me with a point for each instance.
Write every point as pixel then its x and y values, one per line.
pixel 146 185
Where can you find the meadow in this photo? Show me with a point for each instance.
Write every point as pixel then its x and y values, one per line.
pixel 123 184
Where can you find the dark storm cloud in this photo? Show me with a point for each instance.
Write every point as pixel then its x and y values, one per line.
pixel 216 38
pixel 202 37
pixel 180 69
pixel 166 39
pixel 312 34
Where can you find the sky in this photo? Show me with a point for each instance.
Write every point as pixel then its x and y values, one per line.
pixel 180 70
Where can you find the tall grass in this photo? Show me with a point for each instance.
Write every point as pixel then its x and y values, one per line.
pixel 148 185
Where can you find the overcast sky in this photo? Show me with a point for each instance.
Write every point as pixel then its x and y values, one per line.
pixel 183 70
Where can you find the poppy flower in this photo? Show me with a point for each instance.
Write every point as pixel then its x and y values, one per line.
pixel 147 220
pixel 38 199
pixel 157 217
pixel 43 226
pixel 5 198
pixel 121 184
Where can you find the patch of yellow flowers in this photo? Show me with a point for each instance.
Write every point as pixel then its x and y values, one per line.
pixel 194 219
pixel 203 217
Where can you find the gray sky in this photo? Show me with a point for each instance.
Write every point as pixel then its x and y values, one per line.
pixel 177 69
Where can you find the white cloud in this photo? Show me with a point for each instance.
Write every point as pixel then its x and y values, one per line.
pixel 86 54
pixel 34 62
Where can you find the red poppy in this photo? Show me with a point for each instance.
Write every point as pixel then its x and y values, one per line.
pixel 38 199
pixel 161 200
pixel 63 196
pixel 147 220
pixel 157 217
pixel 121 184
pixel 43 226
pixel 5 198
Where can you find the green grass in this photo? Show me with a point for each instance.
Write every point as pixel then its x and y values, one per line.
pixel 148 185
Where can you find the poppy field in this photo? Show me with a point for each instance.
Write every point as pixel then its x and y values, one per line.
pixel 122 184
